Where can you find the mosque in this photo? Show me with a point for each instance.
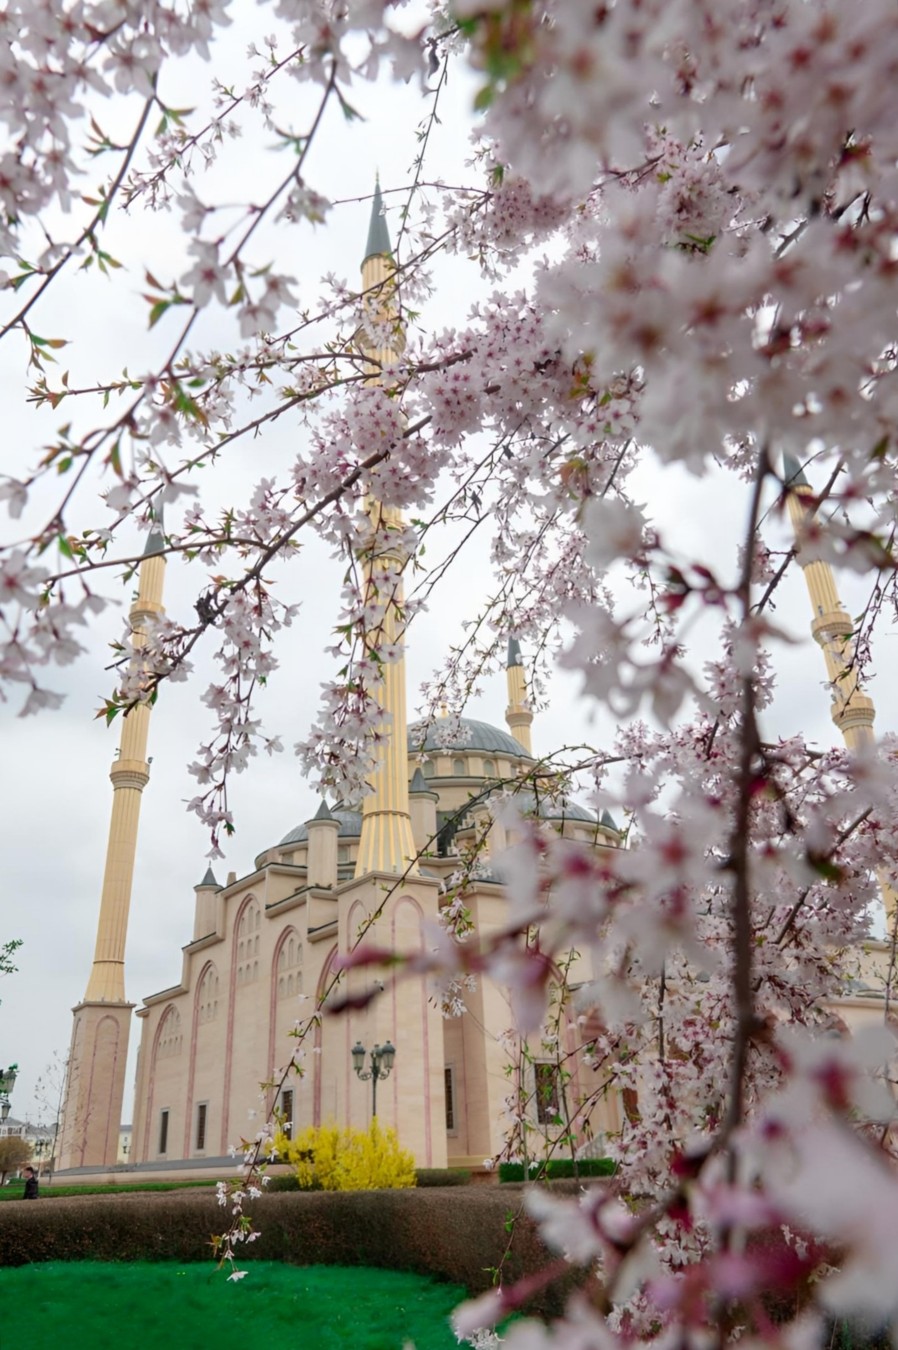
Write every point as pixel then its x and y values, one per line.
pixel 266 947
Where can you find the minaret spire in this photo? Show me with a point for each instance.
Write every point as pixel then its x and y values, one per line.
pixel 518 714
pixel 378 244
pixel 96 1070
pixel 852 710
pixel 386 843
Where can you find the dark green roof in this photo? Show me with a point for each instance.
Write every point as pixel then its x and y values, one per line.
pixel 378 234
pixel 481 736
pixel 419 783
pixel 793 473
pixel 156 538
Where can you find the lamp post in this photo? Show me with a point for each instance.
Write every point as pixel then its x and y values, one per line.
pixel 382 1057
pixel 7 1083
pixel 40 1148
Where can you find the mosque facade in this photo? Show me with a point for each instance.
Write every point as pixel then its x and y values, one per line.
pixel 266 948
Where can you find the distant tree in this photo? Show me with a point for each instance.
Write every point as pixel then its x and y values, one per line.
pixel 49 1093
pixel 15 1152
pixel 7 951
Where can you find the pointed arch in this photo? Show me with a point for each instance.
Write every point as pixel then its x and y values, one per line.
pixel 404 905
pixel 246 941
pixel 248 908
pixel 205 994
pixel 324 978
pixel 287 955
pixel 167 1011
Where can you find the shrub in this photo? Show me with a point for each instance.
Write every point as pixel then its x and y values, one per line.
pixel 326 1158
pixel 287 1181
pixel 557 1168
pixel 460 1237
pixel 442 1176
pixel 50 1190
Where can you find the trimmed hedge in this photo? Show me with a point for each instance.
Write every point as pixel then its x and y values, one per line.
pixel 443 1176
pixel 425 1176
pixel 458 1235
pixel 557 1169
pixel 288 1181
pixel 51 1191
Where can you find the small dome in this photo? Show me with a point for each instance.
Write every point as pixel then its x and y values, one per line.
pixel 566 810
pixel 350 827
pixel 554 808
pixel 479 736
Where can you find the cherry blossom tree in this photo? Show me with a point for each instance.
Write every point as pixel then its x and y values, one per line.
pixel 683 219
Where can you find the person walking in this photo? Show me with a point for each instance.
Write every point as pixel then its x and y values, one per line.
pixel 30 1184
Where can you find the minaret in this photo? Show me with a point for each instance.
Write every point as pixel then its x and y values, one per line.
pixel 386 843
pixel 95 1079
pixel 852 710
pixel 518 714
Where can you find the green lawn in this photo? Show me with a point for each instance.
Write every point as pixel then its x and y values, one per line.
pixel 84 1305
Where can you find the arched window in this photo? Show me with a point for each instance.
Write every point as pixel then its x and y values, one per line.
pixel 169 1033
pixel 248 941
pixel 429 768
pixel 290 961
pixel 489 768
pixel 459 768
pixel 207 1001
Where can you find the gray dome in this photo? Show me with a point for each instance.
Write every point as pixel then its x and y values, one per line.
pixel 565 810
pixel 554 808
pixel 350 827
pixel 481 736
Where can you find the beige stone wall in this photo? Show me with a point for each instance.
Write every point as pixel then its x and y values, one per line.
pixel 224 1031
pixel 269 965
pixel 94 1085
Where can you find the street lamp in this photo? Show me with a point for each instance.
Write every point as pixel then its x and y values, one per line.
pixel 382 1057
pixel 40 1148
pixel 7 1083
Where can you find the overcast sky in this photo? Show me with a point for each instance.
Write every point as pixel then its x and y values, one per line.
pixel 55 788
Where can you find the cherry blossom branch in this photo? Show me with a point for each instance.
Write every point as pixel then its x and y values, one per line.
pixel 99 218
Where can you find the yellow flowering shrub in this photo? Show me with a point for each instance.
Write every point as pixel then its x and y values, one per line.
pixel 327 1158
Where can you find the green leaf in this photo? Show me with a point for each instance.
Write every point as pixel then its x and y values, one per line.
pixel 157 311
